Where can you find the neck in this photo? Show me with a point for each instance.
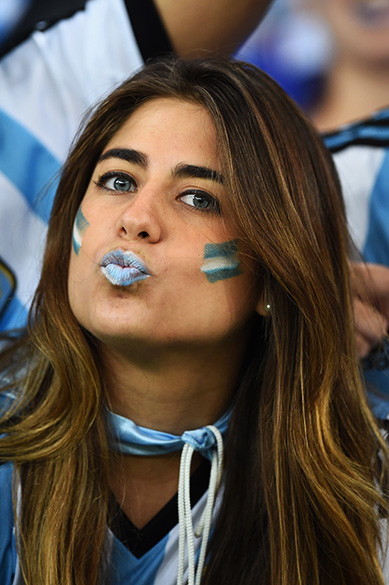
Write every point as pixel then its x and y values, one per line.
pixel 353 91
pixel 173 390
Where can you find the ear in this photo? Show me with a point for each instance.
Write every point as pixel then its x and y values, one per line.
pixel 263 308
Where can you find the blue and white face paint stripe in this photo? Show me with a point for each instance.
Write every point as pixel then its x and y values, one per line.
pixel 80 225
pixel 221 261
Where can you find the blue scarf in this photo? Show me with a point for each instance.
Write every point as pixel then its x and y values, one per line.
pixel 129 438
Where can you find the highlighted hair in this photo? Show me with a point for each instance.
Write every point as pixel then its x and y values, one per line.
pixel 302 486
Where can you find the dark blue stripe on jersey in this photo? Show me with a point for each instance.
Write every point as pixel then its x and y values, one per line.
pixel 370 132
pixel 382 115
pixel 373 135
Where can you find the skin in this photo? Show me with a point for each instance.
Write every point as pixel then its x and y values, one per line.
pixel 157 220
pixel 220 25
pixel 371 304
pixel 163 336
pixel 360 28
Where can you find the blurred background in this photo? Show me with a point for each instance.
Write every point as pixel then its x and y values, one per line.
pixel 331 56
pixel 293 44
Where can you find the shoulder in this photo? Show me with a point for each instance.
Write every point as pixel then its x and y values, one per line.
pixel 8 557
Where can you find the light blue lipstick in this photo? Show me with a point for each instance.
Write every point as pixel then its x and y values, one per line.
pixel 123 268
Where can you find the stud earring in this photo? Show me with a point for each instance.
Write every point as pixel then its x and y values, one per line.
pixel 268 308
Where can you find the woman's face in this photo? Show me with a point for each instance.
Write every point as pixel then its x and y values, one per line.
pixel 154 259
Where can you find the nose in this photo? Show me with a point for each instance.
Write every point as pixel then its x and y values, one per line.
pixel 141 218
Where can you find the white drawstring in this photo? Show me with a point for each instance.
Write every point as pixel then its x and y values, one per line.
pixel 185 510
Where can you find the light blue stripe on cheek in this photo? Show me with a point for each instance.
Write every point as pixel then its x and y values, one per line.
pixel 79 228
pixel 221 261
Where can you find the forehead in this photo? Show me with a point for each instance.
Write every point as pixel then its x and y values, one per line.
pixel 169 126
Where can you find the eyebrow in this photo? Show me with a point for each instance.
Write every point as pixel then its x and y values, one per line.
pixel 182 170
pixel 188 171
pixel 127 154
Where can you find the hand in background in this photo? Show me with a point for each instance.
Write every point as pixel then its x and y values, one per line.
pixel 370 283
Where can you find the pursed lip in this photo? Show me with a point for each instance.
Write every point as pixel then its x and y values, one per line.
pixel 123 268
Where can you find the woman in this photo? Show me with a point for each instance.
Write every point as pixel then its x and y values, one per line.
pixel 195 271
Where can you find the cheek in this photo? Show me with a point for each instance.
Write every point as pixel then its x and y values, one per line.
pixel 221 261
pixel 81 225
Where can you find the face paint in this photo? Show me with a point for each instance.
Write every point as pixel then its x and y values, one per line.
pixel 221 261
pixel 123 268
pixel 80 225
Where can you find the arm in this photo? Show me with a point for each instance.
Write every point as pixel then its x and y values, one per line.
pixel 371 304
pixel 192 25
pixel 213 25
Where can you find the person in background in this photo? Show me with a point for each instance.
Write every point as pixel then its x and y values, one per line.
pixel 353 114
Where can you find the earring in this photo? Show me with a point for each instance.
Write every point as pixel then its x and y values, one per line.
pixel 268 308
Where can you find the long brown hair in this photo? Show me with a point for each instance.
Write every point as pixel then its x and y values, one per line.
pixel 301 479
